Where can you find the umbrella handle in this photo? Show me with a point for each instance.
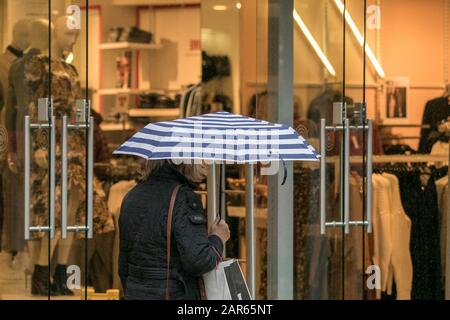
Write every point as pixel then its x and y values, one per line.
pixel 284 172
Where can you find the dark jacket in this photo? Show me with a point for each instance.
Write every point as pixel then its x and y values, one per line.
pixel 143 221
pixel 435 111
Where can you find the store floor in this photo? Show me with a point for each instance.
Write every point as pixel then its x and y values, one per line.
pixel 13 285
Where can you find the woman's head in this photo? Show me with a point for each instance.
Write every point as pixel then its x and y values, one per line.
pixel 195 173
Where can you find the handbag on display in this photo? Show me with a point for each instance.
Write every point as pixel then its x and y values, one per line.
pixel 225 282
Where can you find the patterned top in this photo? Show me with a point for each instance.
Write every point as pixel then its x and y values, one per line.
pixel 65 89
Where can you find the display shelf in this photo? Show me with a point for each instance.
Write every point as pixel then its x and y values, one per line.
pixel 130 46
pixel 239 212
pixel 115 91
pixel 154 112
pixel 113 126
pixel 154 2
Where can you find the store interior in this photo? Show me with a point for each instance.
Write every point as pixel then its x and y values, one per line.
pixel 143 61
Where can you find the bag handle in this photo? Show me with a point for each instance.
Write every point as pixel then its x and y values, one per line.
pixel 169 235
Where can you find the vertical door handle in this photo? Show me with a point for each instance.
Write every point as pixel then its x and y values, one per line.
pixel 89 183
pixel 27 173
pixel 346 176
pixel 211 193
pixel 90 179
pixel 323 167
pixel 52 176
pixel 27 146
pixel 250 227
pixel 64 187
pixel 369 170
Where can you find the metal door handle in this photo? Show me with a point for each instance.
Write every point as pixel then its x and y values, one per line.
pixel 90 178
pixel 369 171
pixel 250 227
pixel 346 176
pixel 346 223
pixel 323 168
pixel 50 125
pixel 26 190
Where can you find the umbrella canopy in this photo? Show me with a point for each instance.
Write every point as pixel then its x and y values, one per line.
pixel 218 137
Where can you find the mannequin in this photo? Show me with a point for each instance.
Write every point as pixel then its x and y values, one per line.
pixel 18 105
pixel 11 242
pixel 32 74
pixel 20 42
pixel 62 40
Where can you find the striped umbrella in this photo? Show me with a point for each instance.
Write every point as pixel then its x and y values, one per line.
pixel 218 137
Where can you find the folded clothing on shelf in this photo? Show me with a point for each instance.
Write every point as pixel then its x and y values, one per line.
pixel 129 34
pixel 156 100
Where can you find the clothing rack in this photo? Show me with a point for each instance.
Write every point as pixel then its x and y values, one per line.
pixel 414 158
pixel 404 125
pixel 400 138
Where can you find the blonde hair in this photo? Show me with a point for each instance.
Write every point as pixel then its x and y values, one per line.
pixel 193 172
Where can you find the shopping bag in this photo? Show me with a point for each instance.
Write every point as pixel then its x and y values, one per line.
pixel 226 282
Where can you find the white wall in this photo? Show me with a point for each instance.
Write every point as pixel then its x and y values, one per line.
pixel 221 36
pixel 177 64
pixel 410 43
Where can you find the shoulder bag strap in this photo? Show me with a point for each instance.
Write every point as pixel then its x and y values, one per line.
pixel 169 235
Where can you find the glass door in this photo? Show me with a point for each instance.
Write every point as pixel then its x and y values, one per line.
pixel 74 150
pixel 28 161
pixel 319 88
pixel 47 171
pixel 330 216
pixel 360 148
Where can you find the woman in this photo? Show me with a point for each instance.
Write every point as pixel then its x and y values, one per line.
pixel 143 223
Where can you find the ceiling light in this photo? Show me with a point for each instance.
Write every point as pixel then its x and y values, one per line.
pixel 220 8
pixel 238 5
pixel 314 43
pixel 360 39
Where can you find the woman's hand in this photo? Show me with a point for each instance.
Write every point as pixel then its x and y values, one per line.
pixel 220 229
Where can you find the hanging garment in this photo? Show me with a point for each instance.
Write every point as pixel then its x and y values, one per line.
pixel 391 235
pixel 101 261
pixel 440 149
pixel 321 107
pixel 435 111
pixel 311 251
pixel 420 203
pixel 401 264
pixel 6 60
pixel 186 100
pixel 442 192
pixel 194 105
pixel 8 241
pixel 357 253
pixel 382 251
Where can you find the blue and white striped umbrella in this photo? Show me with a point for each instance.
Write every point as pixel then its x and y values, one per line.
pixel 220 136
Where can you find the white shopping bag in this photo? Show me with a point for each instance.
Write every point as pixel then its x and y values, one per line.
pixel 226 282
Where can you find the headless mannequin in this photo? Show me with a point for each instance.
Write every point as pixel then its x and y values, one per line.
pixel 39 248
pixel 63 41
